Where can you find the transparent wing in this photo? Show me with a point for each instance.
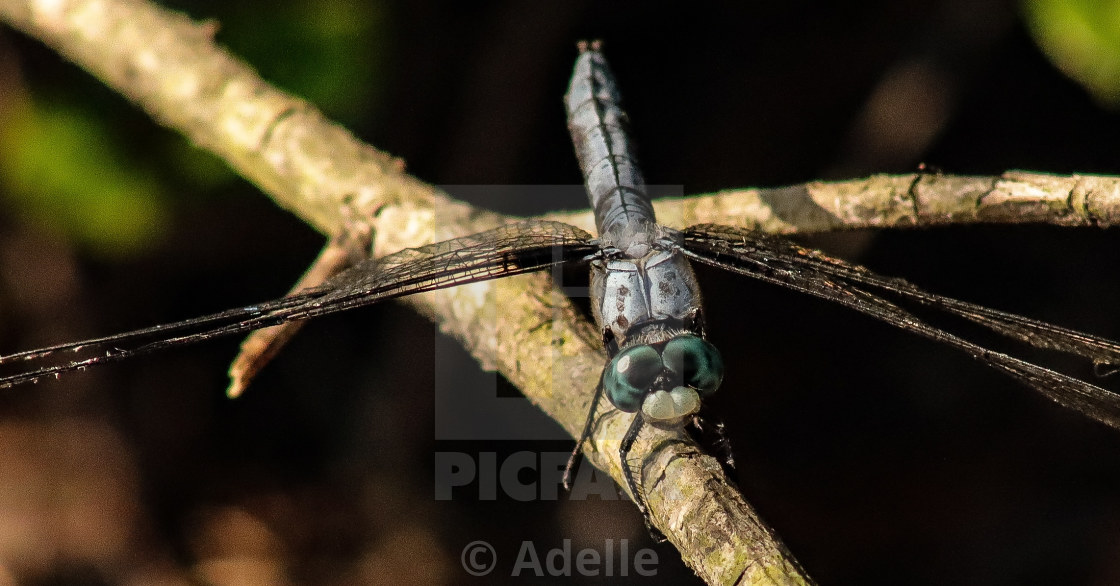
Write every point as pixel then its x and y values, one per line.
pixel 508 250
pixel 776 260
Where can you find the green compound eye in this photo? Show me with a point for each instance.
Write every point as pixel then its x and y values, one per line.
pixel 697 362
pixel 629 376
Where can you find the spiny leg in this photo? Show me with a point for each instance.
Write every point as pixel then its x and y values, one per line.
pixel 586 433
pixel 721 444
pixel 628 473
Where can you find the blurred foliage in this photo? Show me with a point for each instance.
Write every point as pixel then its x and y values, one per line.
pixel 328 53
pixel 73 167
pixel 202 170
pixel 62 169
pixel 1082 38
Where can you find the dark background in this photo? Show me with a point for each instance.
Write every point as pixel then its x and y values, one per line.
pixel 878 457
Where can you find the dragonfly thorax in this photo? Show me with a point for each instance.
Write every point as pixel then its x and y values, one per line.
pixel 634 238
pixel 628 293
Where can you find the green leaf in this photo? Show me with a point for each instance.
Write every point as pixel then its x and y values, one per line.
pixel 1082 38
pixel 61 169
pixel 330 53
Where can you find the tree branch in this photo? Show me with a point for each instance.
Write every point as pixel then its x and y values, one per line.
pixel 167 64
pixel 900 201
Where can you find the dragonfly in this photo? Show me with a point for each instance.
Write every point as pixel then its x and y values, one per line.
pixel 645 297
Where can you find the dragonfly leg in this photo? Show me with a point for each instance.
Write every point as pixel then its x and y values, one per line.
pixel 720 443
pixel 576 451
pixel 628 473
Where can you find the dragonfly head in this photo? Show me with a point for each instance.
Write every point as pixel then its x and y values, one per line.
pixel 666 380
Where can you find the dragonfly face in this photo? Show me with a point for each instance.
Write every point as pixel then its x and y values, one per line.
pixel 665 380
